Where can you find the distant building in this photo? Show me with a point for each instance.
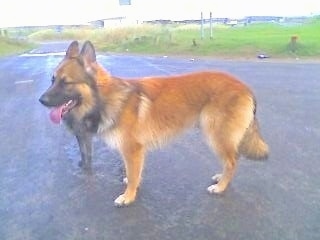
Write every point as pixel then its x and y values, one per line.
pixel 256 19
pixel 132 12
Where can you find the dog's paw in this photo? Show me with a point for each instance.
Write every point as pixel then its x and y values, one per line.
pixel 216 178
pixel 125 180
pixel 81 163
pixel 217 186
pixel 85 166
pixel 214 189
pixel 122 201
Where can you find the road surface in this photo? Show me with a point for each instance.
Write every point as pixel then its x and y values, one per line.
pixel 44 195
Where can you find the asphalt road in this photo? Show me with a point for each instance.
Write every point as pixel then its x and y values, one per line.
pixel 44 195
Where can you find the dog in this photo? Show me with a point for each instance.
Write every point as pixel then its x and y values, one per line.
pixel 137 115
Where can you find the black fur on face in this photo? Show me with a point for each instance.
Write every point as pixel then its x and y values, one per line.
pixel 90 122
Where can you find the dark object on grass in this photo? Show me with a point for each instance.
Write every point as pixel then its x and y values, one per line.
pixel 262 56
pixel 194 43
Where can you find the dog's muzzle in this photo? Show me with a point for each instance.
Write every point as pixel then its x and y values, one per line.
pixel 44 100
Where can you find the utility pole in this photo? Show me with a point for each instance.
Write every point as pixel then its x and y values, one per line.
pixel 211 33
pixel 202 23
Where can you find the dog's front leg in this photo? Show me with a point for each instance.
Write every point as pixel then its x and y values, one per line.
pixel 133 155
pixel 85 145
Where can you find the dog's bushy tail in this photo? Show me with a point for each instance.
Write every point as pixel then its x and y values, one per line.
pixel 252 144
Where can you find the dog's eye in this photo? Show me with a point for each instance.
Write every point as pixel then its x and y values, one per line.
pixel 63 81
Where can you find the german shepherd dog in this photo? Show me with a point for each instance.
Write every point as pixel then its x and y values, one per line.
pixel 137 115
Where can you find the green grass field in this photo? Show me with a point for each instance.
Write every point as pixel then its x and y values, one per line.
pixel 10 46
pixel 272 39
pixel 243 41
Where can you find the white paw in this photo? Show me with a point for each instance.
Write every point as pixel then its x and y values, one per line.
pixel 120 201
pixel 211 189
pixel 125 180
pixel 214 189
pixel 216 178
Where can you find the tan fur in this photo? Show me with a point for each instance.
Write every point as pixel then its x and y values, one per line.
pixel 137 115
pixel 147 113
pixel 252 146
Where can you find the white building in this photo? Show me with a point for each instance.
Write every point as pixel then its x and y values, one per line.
pixel 128 12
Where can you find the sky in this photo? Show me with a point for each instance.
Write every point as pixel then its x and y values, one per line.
pixel 55 12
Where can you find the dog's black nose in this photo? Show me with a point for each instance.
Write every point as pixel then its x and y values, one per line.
pixel 44 100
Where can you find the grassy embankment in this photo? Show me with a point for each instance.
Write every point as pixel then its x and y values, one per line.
pixel 10 46
pixel 241 41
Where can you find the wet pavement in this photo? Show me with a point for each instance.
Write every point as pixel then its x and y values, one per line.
pixel 44 195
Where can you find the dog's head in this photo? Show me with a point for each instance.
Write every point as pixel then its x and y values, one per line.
pixel 72 85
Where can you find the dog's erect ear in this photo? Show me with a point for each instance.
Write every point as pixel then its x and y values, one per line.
pixel 73 50
pixel 88 53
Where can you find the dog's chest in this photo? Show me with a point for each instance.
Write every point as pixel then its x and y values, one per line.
pixel 110 134
pixel 112 138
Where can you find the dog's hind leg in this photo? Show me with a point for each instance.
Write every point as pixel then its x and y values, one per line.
pixel 133 155
pixel 221 181
pixel 227 152
pixel 224 135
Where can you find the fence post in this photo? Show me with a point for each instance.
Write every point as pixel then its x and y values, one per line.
pixel 211 33
pixel 202 23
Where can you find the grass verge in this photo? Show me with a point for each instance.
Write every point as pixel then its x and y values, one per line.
pixel 10 46
pixel 272 39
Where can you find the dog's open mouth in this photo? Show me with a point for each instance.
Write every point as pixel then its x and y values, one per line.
pixel 57 113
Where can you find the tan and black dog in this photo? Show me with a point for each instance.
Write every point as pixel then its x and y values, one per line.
pixel 137 115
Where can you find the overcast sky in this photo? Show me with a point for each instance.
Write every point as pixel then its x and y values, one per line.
pixel 50 12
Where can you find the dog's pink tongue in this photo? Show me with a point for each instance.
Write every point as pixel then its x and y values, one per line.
pixel 56 114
